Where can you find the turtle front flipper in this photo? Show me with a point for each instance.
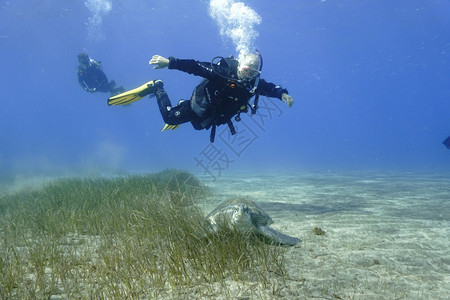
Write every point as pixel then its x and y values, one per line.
pixel 277 237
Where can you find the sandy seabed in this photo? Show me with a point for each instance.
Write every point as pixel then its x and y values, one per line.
pixel 387 235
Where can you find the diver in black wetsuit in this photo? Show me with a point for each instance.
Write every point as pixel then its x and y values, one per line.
pixel 225 91
pixel 92 78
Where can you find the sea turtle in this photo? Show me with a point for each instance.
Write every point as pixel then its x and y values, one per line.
pixel 246 215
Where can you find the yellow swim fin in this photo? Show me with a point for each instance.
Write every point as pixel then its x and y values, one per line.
pixel 133 95
pixel 170 127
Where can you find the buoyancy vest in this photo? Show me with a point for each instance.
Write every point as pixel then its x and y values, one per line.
pixel 215 102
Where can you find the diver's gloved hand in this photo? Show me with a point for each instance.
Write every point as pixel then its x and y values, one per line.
pixel 159 61
pixel 287 99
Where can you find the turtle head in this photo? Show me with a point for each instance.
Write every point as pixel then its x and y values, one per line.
pixel 242 217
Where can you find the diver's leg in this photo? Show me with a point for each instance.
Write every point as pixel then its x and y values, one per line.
pixel 117 91
pixel 179 114
pixel 113 90
pixel 112 84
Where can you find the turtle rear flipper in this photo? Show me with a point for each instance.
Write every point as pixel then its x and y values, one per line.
pixel 277 237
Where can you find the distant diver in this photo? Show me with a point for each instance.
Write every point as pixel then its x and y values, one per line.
pixel 92 78
pixel 224 93
pixel 446 142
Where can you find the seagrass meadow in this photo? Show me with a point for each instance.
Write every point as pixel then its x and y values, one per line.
pixel 126 237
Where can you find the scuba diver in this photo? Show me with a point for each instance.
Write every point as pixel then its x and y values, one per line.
pixel 92 78
pixel 226 89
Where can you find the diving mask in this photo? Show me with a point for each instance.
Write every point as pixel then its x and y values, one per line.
pixel 249 67
pixel 245 72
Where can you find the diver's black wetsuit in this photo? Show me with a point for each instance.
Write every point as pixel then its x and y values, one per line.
pixel 215 100
pixel 92 76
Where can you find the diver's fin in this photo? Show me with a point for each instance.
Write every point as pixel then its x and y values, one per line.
pixel 170 127
pixel 133 95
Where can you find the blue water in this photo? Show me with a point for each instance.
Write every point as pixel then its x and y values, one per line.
pixel 370 80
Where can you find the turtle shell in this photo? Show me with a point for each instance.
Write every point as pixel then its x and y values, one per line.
pixel 258 216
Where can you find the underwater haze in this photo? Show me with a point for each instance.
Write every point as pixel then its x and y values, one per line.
pixel 370 82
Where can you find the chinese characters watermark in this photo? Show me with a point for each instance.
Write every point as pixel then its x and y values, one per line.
pixel 213 159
